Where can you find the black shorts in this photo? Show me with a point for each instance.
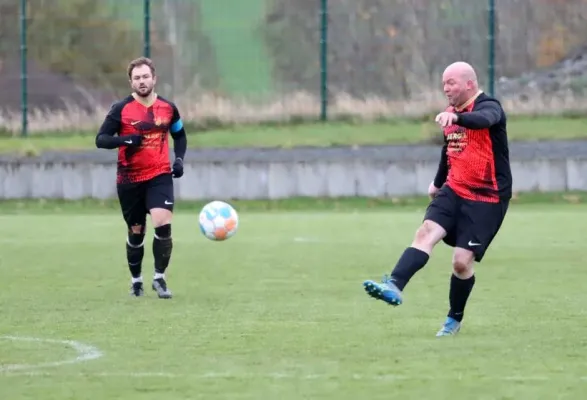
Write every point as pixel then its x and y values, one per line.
pixel 137 199
pixel 469 224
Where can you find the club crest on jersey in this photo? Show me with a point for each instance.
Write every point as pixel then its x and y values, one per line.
pixel 161 121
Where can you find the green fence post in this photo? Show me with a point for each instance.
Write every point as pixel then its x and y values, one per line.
pixel 23 67
pixel 491 43
pixel 147 29
pixel 323 60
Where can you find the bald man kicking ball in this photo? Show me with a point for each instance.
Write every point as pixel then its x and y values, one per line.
pixel 469 195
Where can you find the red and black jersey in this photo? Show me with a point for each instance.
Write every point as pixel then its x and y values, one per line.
pixel 153 122
pixel 475 158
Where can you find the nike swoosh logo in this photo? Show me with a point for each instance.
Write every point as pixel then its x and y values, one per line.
pixel 168 202
pixel 133 123
pixel 128 141
pixel 471 244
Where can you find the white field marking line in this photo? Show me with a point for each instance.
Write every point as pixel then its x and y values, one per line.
pixel 300 239
pixel 293 376
pixel 329 241
pixel 84 353
pixel 214 375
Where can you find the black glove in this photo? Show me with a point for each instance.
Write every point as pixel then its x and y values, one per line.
pixel 177 168
pixel 131 140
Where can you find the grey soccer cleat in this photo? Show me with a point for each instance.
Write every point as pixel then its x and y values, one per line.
pixel 160 286
pixel 450 328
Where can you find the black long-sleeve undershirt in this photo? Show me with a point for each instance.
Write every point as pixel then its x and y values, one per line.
pixel 486 114
pixel 106 139
pixel 180 143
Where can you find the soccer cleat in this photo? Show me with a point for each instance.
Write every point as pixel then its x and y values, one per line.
pixel 386 291
pixel 136 289
pixel 451 327
pixel 160 286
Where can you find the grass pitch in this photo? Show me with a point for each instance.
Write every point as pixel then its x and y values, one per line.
pixel 279 311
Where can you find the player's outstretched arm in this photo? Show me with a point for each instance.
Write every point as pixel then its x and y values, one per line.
pixel 180 143
pixel 487 115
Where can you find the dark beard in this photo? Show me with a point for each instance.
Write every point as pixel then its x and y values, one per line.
pixel 144 95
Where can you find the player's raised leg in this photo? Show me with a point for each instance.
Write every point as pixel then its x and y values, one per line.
pixel 411 261
pixel 160 201
pixel 438 221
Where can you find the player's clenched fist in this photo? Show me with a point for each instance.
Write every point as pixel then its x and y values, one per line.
pixel 445 119
pixel 178 168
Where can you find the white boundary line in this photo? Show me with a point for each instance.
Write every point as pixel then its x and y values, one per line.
pixel 292 376
pixel 84 353
pixel 302 239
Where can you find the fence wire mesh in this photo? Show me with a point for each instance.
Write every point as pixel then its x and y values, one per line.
pixel 260 59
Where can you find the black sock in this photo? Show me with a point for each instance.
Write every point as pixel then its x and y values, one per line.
pixel 162 246
pixel 460 289
pixel 134 253
pixel 410 262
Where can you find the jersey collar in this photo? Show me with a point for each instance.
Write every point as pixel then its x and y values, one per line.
pixel 468 102
pixel 146 104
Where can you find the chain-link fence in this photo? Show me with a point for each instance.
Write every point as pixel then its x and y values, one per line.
pixel 253 60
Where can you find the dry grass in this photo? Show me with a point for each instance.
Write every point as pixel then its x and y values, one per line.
pixel 210 110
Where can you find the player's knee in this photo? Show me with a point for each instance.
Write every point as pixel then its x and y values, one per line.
pixel 137 229
pixel 428 234
pixel 462 263
pixel 422 233
pixel 460 267
pixel 136 237
pixel 163 231
pixel 161 216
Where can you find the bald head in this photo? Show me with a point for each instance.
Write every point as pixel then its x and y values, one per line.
pixel 460 83
pixel 461 69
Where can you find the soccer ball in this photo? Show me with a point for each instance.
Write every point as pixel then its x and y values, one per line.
pixel 218 220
